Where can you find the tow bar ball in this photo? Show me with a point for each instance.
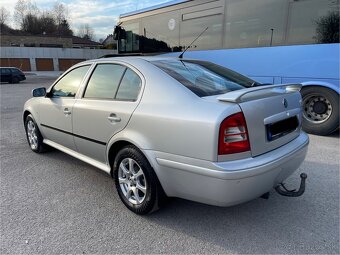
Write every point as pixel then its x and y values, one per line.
pixel 292 193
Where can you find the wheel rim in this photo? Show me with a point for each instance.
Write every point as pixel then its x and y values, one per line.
pixel 132 181
pixel 316 108
pixel 32 135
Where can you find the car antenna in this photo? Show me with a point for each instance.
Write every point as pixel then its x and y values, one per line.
pixel 181 56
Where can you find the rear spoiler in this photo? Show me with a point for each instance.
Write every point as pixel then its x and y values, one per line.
pixel 244 95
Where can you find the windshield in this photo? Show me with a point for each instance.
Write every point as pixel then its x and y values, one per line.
pixel 204 78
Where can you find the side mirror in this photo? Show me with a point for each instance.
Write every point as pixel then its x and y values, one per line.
pixel 39 92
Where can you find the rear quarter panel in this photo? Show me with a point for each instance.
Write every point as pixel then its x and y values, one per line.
pixel 172 119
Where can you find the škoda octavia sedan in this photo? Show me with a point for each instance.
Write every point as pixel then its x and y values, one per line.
pixel 172 127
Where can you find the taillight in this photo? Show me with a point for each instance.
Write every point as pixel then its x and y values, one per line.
pixel 233 137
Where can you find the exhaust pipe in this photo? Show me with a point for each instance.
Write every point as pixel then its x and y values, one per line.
pixel 292 193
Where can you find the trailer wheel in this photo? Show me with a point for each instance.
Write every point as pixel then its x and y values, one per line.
pixel 320 110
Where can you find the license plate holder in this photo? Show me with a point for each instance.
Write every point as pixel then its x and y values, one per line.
pixel 281 128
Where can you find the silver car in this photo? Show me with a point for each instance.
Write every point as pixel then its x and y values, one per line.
pixel 168 127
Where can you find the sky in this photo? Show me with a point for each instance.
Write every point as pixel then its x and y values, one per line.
pixel 101 15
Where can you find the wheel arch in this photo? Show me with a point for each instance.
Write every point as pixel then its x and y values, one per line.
pixel 126 137
pixel 321 84
pixel 118 142
pixel 114 149
pixel 25 114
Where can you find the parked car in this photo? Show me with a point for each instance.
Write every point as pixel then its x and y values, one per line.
pixel 11 75
pixel 170 127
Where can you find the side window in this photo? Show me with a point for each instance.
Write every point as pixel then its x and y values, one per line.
pixel 129 87
pixel 5 71
pixel 253 28
pixel 104 81
pixel 69 84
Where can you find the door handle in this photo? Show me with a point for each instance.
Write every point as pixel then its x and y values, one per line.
pixel 113 118
pixel 67 112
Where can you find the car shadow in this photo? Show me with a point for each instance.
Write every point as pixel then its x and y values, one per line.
pixel 335 134
pixel 307 224
pixel 279 220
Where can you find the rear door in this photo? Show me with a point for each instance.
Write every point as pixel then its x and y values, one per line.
pixel 109 99
pixel 55 110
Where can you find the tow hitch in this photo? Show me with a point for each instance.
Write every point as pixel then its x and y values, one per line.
pixel 292 193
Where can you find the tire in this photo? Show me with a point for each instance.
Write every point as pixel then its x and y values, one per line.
pixel 33 135
pixel 320 110
pixel 130 184
pixel 15 80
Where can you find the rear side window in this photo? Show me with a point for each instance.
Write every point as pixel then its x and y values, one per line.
pixel 5 71
pixel 204 78
pixel 16 71
pixel 69 84
pixel 104 81
pixel 129 87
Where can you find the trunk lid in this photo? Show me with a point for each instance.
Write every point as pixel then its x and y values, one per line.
pixel 272 113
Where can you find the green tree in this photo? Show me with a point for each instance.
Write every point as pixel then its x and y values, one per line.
pixel 64 28
pixel 327 28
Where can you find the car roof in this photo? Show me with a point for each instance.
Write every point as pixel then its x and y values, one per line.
pixel 10 67
pixel 133 58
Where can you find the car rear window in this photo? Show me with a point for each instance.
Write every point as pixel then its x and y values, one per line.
pixel 204 78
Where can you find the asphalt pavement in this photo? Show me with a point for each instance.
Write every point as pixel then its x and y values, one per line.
pixel 52 203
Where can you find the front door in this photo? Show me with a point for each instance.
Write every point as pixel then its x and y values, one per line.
pixel 56 109
pixel 6 75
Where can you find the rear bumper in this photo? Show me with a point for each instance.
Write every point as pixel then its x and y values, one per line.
pixel 227 183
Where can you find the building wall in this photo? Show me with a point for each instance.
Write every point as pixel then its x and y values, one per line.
pixel 65 64
pixel 40 59
pixel 34 41
pixel 44 64
pixel 21 63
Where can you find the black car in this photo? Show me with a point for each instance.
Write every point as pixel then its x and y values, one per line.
pixel 11 75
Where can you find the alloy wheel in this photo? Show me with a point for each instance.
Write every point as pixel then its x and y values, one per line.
pixel 32 134
pixel 132 181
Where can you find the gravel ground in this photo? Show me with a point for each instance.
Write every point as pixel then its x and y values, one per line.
pixel 52 203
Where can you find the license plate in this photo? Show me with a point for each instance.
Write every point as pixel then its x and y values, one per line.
pixel 281 128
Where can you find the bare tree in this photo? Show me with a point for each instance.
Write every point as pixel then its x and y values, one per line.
pixel 4 16
pixel 23 8
pixel 47 23
pixel 86 32
pixel 20 11
pixel 30 24
pixel 60 12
